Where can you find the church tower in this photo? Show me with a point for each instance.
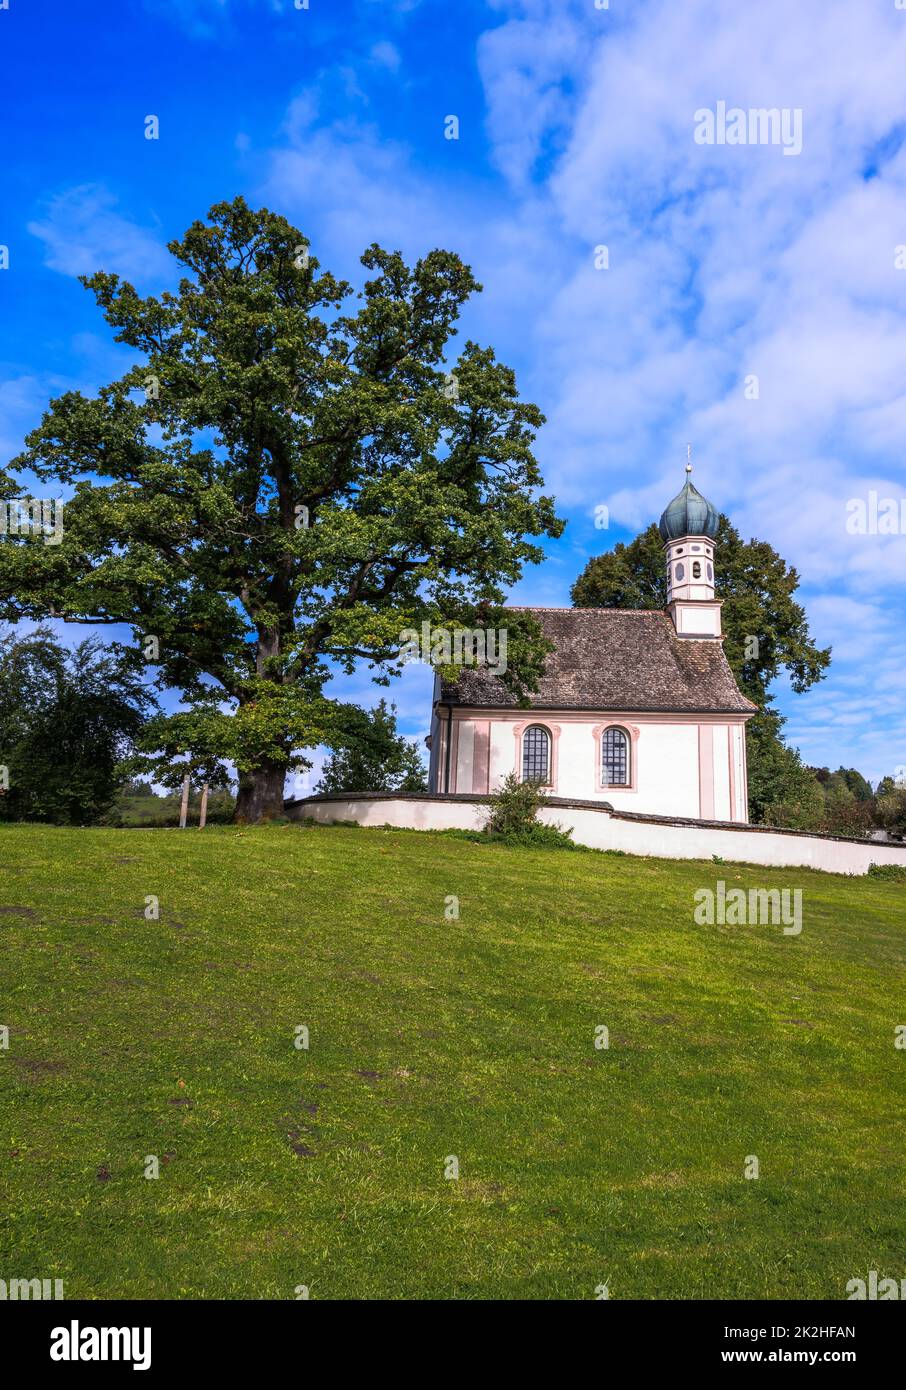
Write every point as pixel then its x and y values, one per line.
pixel 688 529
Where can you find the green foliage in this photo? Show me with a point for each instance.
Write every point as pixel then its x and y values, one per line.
pixel 374 756
pixel 288 481
pixel 162 812
pixel 68 719
pixel 848 817
pixel 537 836
pixel 180 747
pixel 782 790
pixel 846 784
pixel 895 872
pixel 890 811
pixel 134 787
pixel 512 816
pixel 757 588
pixel 848 803
pixel 514 806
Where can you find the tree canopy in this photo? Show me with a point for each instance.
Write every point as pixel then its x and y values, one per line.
pixel 288 477
pixel 375 757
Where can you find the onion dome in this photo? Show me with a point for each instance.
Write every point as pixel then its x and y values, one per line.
pixel 689 514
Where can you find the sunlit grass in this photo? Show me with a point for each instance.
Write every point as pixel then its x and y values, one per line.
pixel 434 1036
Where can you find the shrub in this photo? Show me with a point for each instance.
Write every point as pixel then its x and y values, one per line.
pixel 537 836
pixel 512 817
pixel 895 871
pixel 514 806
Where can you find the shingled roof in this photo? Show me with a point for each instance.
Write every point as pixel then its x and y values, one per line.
pixel 616 659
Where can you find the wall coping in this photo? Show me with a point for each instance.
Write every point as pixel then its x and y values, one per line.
pixel 602 806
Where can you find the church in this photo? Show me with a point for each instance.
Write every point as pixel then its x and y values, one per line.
pixel 637 707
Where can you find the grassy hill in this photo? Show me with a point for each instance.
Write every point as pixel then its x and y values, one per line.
pixel 432 1037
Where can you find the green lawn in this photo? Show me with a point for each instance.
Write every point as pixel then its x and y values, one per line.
pixel 429 1038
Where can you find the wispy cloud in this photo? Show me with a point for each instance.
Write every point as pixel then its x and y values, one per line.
pixel 750 304
pixel 83 232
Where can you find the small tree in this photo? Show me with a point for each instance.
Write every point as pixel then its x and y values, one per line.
pixel 68 720
pixel 512 817
pixel 374 756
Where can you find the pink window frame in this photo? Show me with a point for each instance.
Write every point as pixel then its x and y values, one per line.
pixel 553 733
pixel 632 733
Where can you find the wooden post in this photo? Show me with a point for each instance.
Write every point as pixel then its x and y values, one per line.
pixel 203 814
pixel 184 808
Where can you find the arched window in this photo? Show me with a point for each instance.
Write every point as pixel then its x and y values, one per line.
pixel 696 569
pixel 615 758
pixel 680 572
pixel 536 754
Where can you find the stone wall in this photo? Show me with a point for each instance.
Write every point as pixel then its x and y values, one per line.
pixel 603 828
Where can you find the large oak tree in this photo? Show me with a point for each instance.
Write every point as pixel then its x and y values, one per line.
pixel 288 477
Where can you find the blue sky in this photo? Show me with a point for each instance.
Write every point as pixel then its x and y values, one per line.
pixel 576 130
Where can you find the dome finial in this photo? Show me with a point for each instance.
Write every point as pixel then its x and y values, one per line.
pixel 689 514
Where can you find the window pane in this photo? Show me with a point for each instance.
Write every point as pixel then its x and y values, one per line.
pixel 535 754
pixel 615 758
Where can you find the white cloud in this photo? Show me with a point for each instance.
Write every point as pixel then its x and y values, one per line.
pixel 725 261
pixel 386 55
pixel 82 233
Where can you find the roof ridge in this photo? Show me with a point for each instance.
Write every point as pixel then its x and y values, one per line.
pixel 567 608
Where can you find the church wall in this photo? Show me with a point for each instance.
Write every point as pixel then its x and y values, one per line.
pixel 463 748
pixel 682 766
pixel 721 755
pixel 740 791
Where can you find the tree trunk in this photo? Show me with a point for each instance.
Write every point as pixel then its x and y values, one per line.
pixel 260 793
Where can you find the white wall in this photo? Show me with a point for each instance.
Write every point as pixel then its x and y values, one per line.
pixel 667 778
pixel 721 756
pixel 738 751
pixel 463 745
pixel 601 830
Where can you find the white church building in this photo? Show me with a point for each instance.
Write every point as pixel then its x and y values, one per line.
pixel 637 708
